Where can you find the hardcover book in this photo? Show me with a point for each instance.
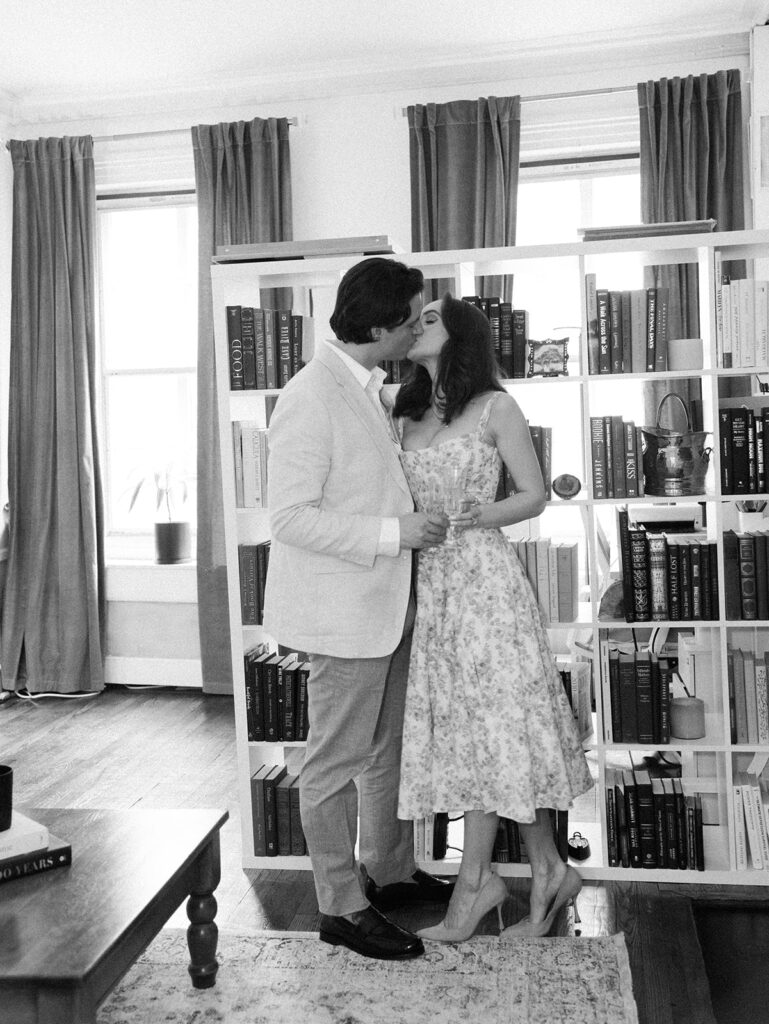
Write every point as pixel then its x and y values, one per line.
pixel 57 854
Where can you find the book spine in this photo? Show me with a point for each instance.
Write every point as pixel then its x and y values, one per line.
pixel 598 449
pixel 248 338
pixel 651 321
pixel 283 326
pixel 235 348
pixel 506 338
pixel 27 864
pixel 520 341
pixel 591 311
pixel 604 331
pixel 640 575
pixel 747 564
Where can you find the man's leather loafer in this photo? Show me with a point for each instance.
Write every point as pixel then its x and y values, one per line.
pixel 423 888
pixel 370 934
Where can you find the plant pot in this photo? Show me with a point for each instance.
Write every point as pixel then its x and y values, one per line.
pixel 172 543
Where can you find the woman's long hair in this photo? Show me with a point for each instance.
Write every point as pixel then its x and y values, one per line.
pixel 466 365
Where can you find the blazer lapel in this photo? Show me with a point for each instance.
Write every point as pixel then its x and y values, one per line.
pixel 360 404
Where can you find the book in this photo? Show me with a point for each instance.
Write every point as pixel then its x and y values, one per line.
pixel 623 838
pixel 520 341
pixel 646 824
pixel 612 841
pixel 658 576
pixel 248 340
pixel 634 827
pixel 660 823
pixel 235 349
pixel 747 563
pixel 645 726
pixel 298 843
pixel 640 569
pixel 24 836
pixel 599 460
pixel 604 331
pixel 357 245
pixel 270 783
pixel 257 810
pixel 628 699
pixel 283 813
pixel 591 309
pixel 57 854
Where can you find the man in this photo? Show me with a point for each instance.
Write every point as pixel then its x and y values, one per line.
pixel 339 587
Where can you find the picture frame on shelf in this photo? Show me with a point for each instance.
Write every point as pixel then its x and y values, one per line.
pixel 549 358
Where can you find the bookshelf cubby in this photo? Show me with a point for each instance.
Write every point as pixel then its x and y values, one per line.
pixel 711 765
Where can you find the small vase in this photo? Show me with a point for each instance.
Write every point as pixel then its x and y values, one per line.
pixel 172 543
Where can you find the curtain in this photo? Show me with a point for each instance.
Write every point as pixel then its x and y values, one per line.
pixel 243 181
pixel 691 169
pixel 464 180
pixel 53 611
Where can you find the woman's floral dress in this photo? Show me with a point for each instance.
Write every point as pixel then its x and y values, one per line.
pixel 487 725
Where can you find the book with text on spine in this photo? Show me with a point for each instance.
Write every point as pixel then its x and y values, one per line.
pixel 57 854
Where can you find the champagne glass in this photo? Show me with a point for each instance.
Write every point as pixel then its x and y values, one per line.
pixel 454 499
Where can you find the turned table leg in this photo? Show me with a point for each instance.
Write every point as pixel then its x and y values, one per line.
pixel 202 933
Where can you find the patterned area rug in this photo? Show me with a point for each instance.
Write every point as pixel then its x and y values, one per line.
pixel 293 978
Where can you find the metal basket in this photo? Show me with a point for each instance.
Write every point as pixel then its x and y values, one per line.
pixel 674 462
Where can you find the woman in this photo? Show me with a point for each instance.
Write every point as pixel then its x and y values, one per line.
pixel 488 727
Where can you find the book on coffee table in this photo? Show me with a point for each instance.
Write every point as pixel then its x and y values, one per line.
pixel 57 854
pixel 24 836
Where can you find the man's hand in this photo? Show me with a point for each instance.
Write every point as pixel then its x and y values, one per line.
pixel 422 531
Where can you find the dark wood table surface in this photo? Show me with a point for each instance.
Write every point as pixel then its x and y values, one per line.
pixel 67 936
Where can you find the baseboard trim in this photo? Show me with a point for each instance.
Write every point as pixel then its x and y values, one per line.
pixel 153 672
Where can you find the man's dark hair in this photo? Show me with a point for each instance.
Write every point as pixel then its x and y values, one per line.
pixel 376 292
pixel 466 366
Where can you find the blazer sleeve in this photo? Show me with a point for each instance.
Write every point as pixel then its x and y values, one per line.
pixel 312 505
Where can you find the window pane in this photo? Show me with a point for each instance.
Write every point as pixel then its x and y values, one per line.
pixel 149 287
pixel 150 428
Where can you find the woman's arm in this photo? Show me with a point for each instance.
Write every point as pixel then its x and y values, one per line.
pixel 508 429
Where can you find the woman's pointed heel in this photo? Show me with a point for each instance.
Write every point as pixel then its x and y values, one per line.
pixel 492 894
pixel 568 890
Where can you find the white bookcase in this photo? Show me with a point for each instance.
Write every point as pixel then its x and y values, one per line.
pixel 549 282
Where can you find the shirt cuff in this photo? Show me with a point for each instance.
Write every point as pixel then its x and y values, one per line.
pixel 389 538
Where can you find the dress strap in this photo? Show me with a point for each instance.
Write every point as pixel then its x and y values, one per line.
pixel 483 421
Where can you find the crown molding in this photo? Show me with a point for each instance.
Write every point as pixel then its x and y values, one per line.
pixel 522 68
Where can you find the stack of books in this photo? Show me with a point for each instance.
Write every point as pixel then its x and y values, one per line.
pixel 627 330
pixel 636 689
pixel 28 848
pixel 250 451
pixel 266 347
pixel 617 457
pixel 276 696
pixel 751 816
pixel 275 811
pixel 552 568
pixel 253 563
pixel 652 822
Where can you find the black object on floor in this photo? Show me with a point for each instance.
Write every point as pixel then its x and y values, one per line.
pixel 734 938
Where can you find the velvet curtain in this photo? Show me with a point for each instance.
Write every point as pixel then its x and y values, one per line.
pixel 464 180
pixel 691 169
pixel 243 181
pixel 53 610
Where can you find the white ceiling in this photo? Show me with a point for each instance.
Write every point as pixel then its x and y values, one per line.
pixel 84 48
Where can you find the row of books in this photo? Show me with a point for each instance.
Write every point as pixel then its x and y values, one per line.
pixel 627 331
pixel 743 459
pixel 750 803
pixel 276 696
pixel 552 568
pixel 265 346
pixel 637 684
pixel 431 837
pixel 667 576
pixel 616 457
pixel 250 451
pixel 253 563
pixel 29 848
pixel 275 812
pixel 509 333
pixel 651 822
pixel 748 678
pixel 746 579
pixel 742 320
pixel 542 441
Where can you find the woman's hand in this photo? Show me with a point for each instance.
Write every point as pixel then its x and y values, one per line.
pixel 470 518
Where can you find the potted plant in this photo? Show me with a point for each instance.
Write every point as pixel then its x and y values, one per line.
pixel 172 533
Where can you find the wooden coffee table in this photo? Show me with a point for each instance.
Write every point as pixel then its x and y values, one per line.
pixel 69 935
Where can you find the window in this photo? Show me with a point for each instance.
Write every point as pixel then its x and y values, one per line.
pixel 149 265
pixel 553 202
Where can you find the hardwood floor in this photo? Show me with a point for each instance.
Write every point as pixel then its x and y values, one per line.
pixel 176 748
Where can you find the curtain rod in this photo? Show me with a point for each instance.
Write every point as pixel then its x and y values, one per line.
pixel 568 95
pixel 170 131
